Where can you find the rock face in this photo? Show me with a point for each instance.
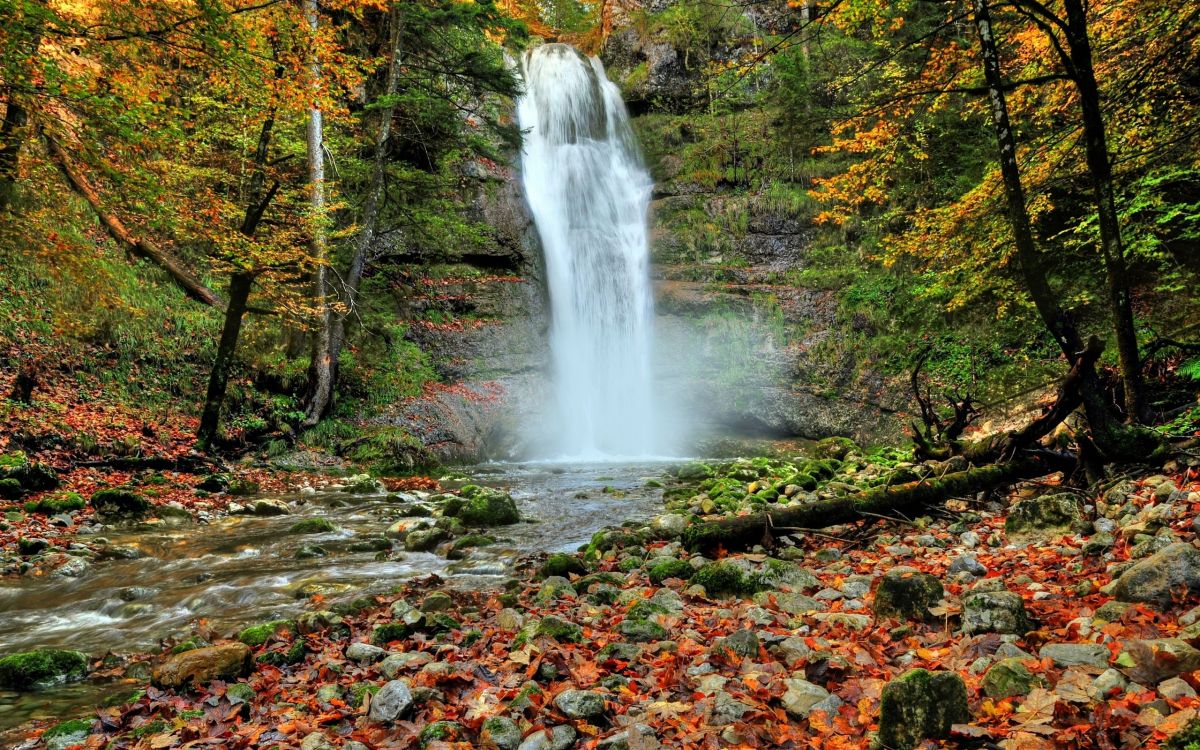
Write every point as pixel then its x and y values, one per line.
pixel 907 594
pixel 1156 579
pixel 203 665
pixel 921 705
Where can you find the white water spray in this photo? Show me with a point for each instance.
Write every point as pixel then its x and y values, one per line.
pixel 589 193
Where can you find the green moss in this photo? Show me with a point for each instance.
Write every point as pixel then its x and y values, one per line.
pixel 191 644
pixel 158 726
pixel 907 594
pixel 921 705
pixel 389 632
pixel 835 447
pixel 643 609
pixel 257 635
pixel 559 629
pixel 725 578
pixel 313 526
pixel 10 489
pixel 40 668
pixel 442 731
pixel 293 655
pixel 243 487
pixel 240 692
pixel 670 569
pixel 485 506
pixel 119 502
pixel 1187 738
pixel 1009 677
pixel 641 631
pixel 562 564
pixel 68 728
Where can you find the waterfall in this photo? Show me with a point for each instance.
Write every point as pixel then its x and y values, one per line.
pixel 589 193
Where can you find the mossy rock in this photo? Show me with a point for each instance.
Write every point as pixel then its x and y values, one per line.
pixel 641 631
pixel 158 726
pixel 660 572
pixel 29 670
pixel 67 734
pixel 392 631
pixel 1187 738
pixel 1009 677
pixel 1047 515
pixel 562 564
pixel 32 477
pixel 921 705
pixel 119 501
pixel 10 489
pixel 243 487
pixel 257 635
pixel 240 692
pixel 726 578
pixel 485 506
pixel 558 629
pixel 835 447
pixel 27 546
pixel 425 540
pixel 191 644
pixel 294 654
pixel 470 541
pixel 313 526
pixel 907 594
pixel 695 471
pixel 214 483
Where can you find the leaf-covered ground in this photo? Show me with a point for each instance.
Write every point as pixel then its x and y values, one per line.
pixel 738 656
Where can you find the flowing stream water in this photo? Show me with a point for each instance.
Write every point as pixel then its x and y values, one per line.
pixel 240 570
pixel 589 193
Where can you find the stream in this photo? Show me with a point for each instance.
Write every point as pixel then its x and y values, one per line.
pixel 240 570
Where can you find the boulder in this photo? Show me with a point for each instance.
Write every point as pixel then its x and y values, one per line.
pixel 907 594
pixel 29 670
pixel 803 697
pixel 920 705
pixel 203 665
pixel 560 737
pixel 1158 659
pixel 392 702
pixel 1045 517
pixel 1158 578
pixel 994 612
pixel 580 704
pixel 1009 677
pixel 499 733
pixel 120 502
pixel 1076 654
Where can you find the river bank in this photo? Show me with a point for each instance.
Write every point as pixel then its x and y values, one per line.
pixel 1031 615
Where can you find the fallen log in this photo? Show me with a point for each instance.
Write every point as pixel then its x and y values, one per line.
pixel 911 499
pixel 191 464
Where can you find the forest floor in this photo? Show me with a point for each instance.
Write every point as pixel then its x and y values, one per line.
pixel 1041 615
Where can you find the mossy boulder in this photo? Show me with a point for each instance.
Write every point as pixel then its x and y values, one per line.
pixel 558 629
pixel 1009 677
pixel 1046 516
pixel 995 611
pixel 562 564
pixel 32 477
pixel 50 505
pixel 641 631
pixel 29 670
pixel 921 705
pixel 425 540
pixel 907 594
pixel 499 733
pixel 10 489
pixel 442 731
pixel 257 635
pixel 313 526
pixel 695 472
pixel 486 506
pixel 727 578
pixel 119 501
pixel 835 447
pixel 661 571
pixel 67 734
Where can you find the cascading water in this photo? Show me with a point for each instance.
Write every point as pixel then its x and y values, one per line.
pixel 589 193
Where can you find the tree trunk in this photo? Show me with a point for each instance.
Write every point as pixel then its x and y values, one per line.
pixel 374 198
pixel 912 499
pixel 321 367
pixel 240 285
pixel 1110 439
pixel 116 228
pixel 10 146
pixel 1111 246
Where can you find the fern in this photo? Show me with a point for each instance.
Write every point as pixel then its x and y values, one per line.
pixel 1190 369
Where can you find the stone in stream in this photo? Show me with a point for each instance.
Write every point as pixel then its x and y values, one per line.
pixel 907 594
pixel 203 665
pixel 920 705
pixel 67 734
pixel 392 702
pixel 484 506
pixel 29 670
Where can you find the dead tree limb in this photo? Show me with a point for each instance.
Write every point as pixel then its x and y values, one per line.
pixel 912 499
pixel 116 228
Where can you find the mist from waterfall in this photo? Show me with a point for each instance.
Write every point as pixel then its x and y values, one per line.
pixel 589 193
